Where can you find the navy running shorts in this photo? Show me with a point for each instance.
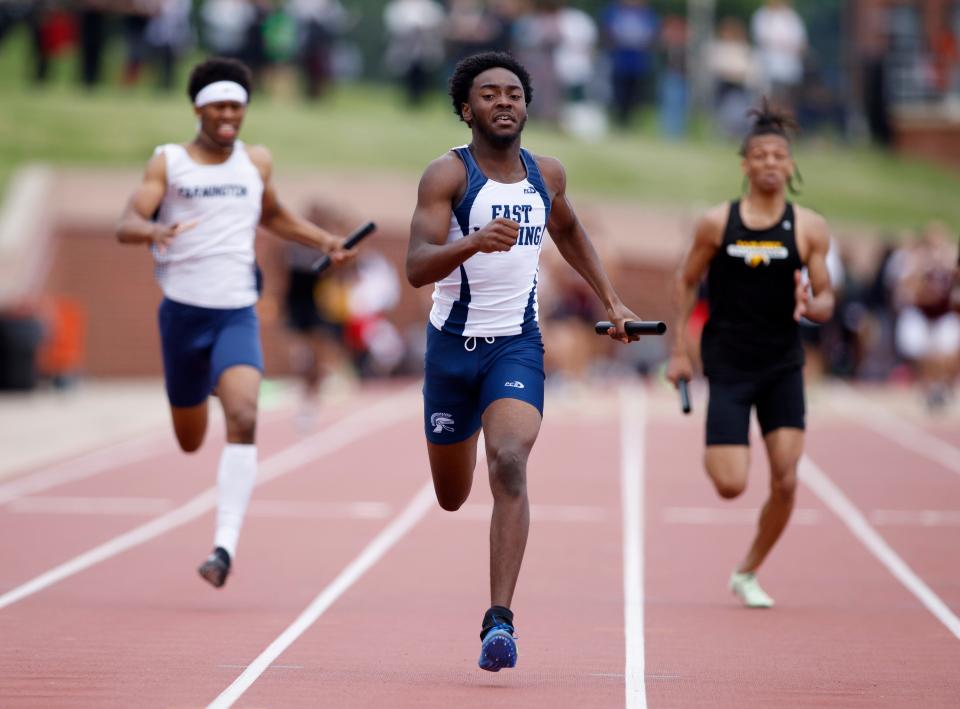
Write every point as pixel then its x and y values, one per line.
pixel 199 344
pixel 464 375
pixel 777 396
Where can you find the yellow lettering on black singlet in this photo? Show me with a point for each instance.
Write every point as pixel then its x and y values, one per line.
pixel 757 253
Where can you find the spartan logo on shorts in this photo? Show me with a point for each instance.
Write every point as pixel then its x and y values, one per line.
pixel 441 422
pixel 757 253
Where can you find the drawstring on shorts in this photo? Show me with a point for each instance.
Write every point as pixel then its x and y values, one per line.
pixel 470 344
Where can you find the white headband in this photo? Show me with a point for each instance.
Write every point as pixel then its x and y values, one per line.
pixel 221 91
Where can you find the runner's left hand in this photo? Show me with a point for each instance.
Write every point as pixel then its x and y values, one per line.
pixel 801 296
pixel 618 315
pixel 338 254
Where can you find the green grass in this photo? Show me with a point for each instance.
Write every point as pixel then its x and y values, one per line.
pixel 364 127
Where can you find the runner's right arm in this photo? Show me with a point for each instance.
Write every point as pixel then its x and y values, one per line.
pixel 707 236
pixel 136 226
pixel 430 257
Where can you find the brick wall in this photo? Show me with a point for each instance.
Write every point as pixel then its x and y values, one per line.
pixel 114 284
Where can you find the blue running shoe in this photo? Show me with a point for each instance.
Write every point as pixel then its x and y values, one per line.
pixel 499 649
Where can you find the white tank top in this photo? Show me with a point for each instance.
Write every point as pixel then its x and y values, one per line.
pixel 211 265
pixel 493 295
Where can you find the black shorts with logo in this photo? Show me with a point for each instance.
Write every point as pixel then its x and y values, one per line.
pixel 776 394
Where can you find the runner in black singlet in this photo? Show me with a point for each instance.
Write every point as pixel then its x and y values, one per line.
pixel 753 250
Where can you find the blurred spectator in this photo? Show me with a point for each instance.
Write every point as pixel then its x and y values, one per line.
pixel 865 347
pixel 226 24
pixel 574 60
pixel 505 14
pixel 471 28
pixel 373 291
pixel 928 332
pixel 574 54
pixel 732 65
pixel 672 89
pixel 52 30
pixel 536 37
pixel 91 22
pixel 945 59
pixel 316 313
pixel 557 44
pixel 136 15
pixel 818 107
pixel 568 310
pixel 318 23
pixel 414 43
pixel 169 36
pixel 11 12
pixel 233 29
pixel 875 92
pixel 630 29
pixel 781 39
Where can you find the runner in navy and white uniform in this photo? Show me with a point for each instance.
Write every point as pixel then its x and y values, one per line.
pixel 198 208
pixel 752 251
pixel 482 213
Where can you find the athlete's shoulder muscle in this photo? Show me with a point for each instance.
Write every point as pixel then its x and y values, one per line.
pixel 812 228
pixel 553 172
pixel 707 238
pixel 156 169
pixel 711 224
pixel 444 179
pixel 262 159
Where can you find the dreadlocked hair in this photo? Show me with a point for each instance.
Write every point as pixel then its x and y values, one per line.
pixel 469 68
pixel 768 120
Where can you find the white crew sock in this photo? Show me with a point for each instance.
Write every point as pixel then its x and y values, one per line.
pixel 235 478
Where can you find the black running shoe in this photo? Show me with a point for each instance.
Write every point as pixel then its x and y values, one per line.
pixel 216 567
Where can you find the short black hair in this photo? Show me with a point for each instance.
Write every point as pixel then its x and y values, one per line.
pixel 219 69
pixel 767 120
pixel 469 68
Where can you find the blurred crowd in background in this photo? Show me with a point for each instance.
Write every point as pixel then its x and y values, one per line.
pixel 897 319
pixel 838 64
pixel 842 68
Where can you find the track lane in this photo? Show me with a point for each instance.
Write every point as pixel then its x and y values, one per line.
pixel 880 475
pixel 844 630
pixel 407 635
pixel 142 629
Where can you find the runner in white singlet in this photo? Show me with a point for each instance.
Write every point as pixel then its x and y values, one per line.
pixel 198 208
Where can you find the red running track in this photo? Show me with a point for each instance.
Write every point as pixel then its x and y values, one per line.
pixel 396 624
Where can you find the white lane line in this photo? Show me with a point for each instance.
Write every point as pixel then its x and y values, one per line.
pixel 735 515
pixel 474 512
pixel 299 509
pixel 831 495
pixel 916 518
pixel 353 427
pixel 632 459
pixel 374 551
pixel 319 510
pixel 900 430
pixel 99 460
pixel 91 505
pixel 84 466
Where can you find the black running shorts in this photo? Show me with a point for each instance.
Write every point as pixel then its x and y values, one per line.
pixel 778 397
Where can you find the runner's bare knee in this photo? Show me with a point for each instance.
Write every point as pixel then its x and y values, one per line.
pixel 508 471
